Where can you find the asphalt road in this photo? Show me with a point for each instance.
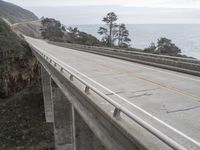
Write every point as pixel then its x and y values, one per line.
pixel 168 100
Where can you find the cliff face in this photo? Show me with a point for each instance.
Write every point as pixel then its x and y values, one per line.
pixel 22 120
pixel 18 68
pixel 19 75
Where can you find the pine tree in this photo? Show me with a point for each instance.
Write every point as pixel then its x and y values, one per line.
pixel 122 35
pixel 109 31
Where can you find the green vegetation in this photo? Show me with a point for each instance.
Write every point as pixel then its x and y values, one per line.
pixel 52 29
pixel 122 36
pixel 22 20
pixel 113 32
pixel 22 120
pixel 31 29
pixel 164 46
pixel 13 51
pixel 110 31
pixel 15 13
pixel 78 37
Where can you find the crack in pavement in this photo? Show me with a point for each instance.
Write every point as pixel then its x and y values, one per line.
pixel 140 95
pixel 146 90
pixel 186 109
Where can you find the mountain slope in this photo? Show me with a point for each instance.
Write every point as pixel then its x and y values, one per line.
pixel 31 28
pixel 15 13
pixel 20 19
pixel 22 121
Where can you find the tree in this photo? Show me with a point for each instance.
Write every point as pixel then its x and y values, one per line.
pixel 122 36
pixel 151 48
pixel 78 37
pixel 164 46
pixel 52 29
pixel 109 31
pixel 74 32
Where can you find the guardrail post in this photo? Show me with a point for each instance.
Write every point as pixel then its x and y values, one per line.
pixel 71 77
pixel 116 113
pixel 87 89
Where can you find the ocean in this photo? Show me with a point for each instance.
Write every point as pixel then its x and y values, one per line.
pixel 185 36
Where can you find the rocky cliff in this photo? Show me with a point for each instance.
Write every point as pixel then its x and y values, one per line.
pixel 18 68
pixel 22 120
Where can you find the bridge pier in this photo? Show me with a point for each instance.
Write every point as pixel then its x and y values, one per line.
pixel 70 130
pixel 63 120
pixel 85 138
pixel 72 127
pixel 46 87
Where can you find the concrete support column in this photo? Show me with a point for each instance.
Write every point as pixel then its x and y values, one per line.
pixel 63 120
pixel 74 128
pixel 46 86
pixel 85 138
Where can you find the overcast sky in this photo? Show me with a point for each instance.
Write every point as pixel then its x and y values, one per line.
pixel 129 11
pixel 137 3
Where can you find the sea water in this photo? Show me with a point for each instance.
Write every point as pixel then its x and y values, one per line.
pixel 185 36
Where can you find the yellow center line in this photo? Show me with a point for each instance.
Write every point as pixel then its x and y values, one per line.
pixel 131 74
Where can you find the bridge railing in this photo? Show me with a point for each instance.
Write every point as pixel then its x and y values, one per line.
pixel 58 65
pixel 180 64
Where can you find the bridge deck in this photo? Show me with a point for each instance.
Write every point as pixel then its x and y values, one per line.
pixel 170 101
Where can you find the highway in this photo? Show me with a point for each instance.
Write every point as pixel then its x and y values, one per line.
pixel 168 100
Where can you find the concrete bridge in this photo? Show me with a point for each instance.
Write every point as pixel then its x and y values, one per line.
pixel 97 102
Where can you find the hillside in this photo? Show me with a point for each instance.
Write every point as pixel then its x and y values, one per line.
pixel 22 120
pixel 15 13
pixel 29 28
pixel 22 20
pixel 16 58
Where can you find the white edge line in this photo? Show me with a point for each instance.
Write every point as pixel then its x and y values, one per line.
pixel 142 110
pixel 198 80
pixel 137 107
pixel 149 68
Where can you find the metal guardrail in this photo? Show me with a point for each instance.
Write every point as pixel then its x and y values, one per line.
pixel 118 108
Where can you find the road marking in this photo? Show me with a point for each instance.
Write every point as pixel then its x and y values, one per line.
pixel 153 69
pixel 187 137
pixel 166 72
pixel 174 90
pixel 137 64
pixel 137 107
pixel 142 110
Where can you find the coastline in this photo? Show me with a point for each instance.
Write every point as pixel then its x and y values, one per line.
pixel 185 36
